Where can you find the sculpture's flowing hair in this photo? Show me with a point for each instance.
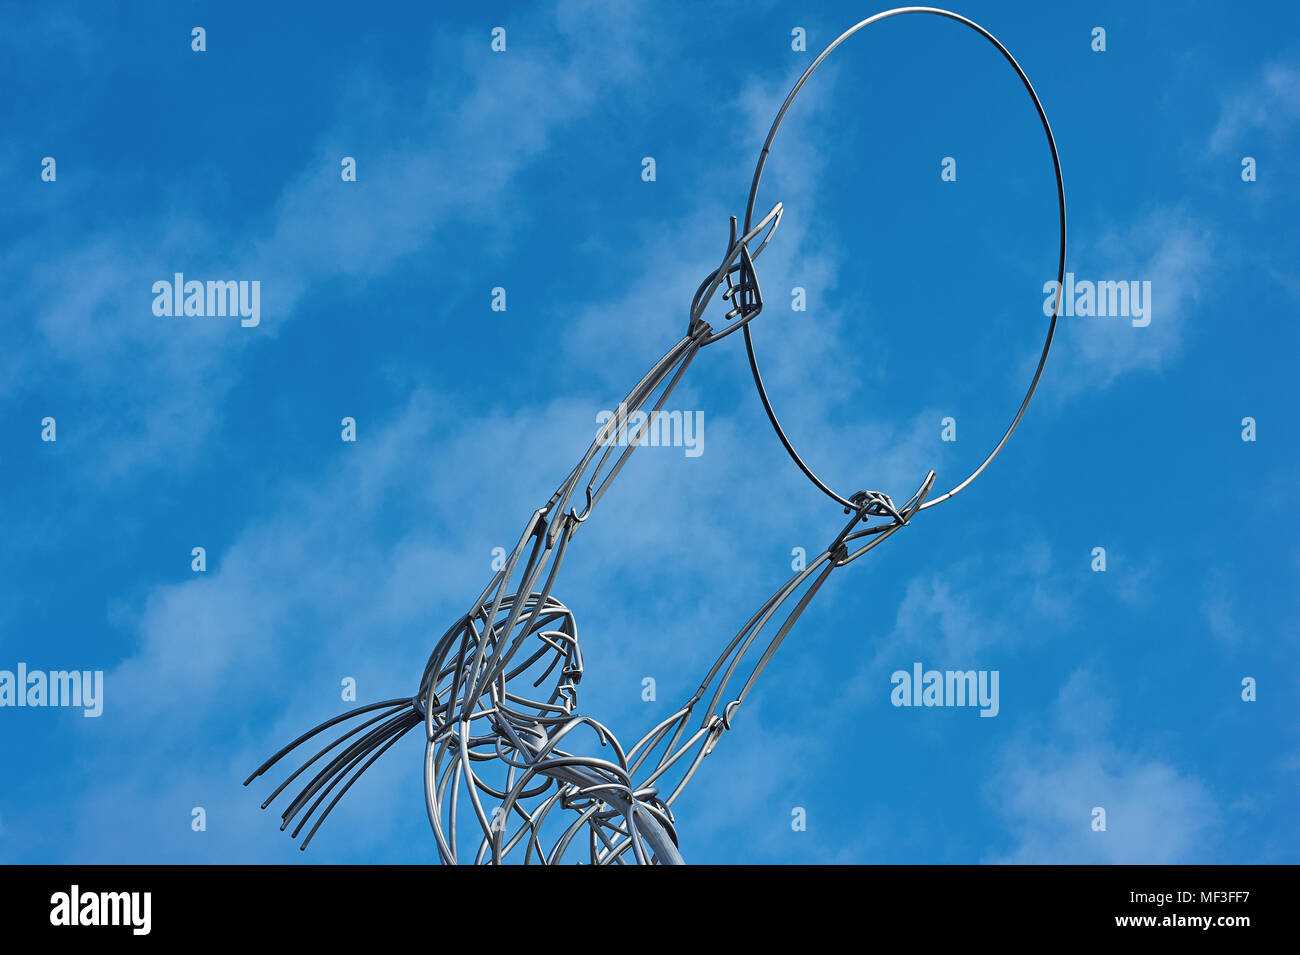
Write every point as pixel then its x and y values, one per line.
pixel 396 718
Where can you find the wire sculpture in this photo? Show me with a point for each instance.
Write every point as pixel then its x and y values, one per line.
pixel 508 755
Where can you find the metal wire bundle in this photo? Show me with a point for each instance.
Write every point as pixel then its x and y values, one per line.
pixel 508 755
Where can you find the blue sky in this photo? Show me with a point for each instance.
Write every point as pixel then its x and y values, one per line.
pixel 523 170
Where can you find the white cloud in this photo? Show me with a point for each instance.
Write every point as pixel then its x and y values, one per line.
pixel 1219 610
pixel 451 161
pixel 1269 107
pixel 955 616
pixel 1176 253
pixel 1047 791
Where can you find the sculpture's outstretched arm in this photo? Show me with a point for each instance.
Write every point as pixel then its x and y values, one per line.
pixel 463 700
pixel 667 753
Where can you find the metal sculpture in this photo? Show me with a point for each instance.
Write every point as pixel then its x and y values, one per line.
pixel 508 754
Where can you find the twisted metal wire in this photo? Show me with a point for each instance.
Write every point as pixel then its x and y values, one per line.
pixel 509 757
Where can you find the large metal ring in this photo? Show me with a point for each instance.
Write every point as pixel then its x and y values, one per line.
pixel 1060 270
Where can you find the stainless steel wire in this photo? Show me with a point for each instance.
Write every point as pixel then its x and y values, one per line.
pixel 509 757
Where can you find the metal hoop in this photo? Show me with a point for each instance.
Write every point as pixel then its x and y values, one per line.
pixel 1060 271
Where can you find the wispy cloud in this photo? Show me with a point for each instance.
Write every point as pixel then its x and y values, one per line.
pixel 1172 249
pixel 1047 787
pixel 449 160
pixel 953 616
pixel 1269 106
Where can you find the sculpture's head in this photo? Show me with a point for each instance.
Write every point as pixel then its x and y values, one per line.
pixel 520 662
